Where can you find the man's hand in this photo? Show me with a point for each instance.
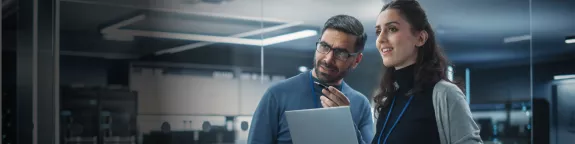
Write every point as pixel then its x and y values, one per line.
pixel 333 98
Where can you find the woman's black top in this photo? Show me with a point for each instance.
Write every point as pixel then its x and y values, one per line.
pixel 418 124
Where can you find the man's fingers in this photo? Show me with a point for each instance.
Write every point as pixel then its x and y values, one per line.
pixel 341 98
pixel 327 102
pixel 323 104
pixel 332 97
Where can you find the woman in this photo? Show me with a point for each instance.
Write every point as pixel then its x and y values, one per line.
pixel 417 103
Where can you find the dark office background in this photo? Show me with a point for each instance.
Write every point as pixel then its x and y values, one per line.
pixel 505 77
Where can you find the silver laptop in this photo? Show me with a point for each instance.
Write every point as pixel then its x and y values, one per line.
pixel 322 126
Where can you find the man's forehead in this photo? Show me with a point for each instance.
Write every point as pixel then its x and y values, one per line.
pixel 338 39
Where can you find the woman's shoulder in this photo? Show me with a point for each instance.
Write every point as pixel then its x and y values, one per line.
pixel 447 90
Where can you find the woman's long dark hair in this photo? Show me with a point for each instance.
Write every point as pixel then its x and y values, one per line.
pixel 431 64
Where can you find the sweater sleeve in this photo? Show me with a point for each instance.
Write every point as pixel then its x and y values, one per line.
pixel 366 127
pixel 264 125
pixel 462 127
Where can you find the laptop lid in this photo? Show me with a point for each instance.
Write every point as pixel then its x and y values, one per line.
pixel 322 126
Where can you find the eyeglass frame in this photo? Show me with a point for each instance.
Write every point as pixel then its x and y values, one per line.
pixel 319 43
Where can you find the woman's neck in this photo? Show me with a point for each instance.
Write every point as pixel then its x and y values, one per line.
pixel 409 62
pixel 405 77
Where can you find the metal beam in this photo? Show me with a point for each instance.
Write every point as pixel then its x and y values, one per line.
pixel 100 55
pixel 24 68
pixel 115 27
pixel 175 10
pixel 45 84
pixel 35 72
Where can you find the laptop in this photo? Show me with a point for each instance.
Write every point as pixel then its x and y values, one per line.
pixel 321 126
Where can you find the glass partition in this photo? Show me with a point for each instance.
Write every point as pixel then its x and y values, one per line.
pixel 159 71
pixel 553 48
pixel 195 71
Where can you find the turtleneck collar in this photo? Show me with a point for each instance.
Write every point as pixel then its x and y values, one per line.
pixel 405 78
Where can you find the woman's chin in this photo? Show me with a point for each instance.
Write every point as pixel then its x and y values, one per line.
pixel 387 63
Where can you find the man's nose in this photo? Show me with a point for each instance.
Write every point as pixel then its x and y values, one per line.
pixel 329 56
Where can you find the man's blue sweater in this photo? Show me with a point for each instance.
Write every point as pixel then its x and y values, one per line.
pixel 269 125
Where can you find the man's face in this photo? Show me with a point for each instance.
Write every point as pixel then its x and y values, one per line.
pixel 331 68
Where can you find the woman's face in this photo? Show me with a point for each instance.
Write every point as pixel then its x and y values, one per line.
pixel 396 42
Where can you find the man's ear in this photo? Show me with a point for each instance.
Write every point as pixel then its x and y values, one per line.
pixel 422 38
pixel 357 60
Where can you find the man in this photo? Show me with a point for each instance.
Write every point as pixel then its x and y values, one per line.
pixel 338 51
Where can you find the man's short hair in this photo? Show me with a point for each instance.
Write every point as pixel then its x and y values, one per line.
pixel 349 25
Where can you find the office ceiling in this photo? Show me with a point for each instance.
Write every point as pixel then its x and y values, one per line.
pixel 471 32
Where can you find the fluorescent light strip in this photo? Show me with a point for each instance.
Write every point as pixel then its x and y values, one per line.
pixel 218 39
pixel 517 38
pixel 246 34
pixel 570 41
pixel 289 37
pixel 193 37
pixel 560 77
pixel 114 30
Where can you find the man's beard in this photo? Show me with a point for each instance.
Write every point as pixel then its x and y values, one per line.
pixel 326 78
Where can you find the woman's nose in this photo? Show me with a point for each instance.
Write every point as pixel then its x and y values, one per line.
pixel 382 38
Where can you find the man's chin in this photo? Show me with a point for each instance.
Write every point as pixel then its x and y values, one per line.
pixel 326 78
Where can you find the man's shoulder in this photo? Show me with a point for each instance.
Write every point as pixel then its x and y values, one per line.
pixel 288 84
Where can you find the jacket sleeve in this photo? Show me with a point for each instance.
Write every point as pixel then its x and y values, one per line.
pixel 462 127
pixel 365 128
pixel 264 125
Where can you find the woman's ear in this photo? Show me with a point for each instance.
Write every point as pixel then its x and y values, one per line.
pixel 422 38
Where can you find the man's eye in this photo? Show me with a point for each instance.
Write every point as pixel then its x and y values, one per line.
pixel 342 54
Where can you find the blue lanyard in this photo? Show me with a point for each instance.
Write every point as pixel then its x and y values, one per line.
pixel 315 97
pixel 313 91
pixel 394 124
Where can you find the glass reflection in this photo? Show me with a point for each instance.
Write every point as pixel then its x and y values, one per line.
pixel 194 71
pixel 553 28
pixel 161 72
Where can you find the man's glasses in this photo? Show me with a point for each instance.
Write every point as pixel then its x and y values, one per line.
pixel 340 54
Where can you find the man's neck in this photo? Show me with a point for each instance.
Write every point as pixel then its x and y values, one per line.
pixel 332 84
